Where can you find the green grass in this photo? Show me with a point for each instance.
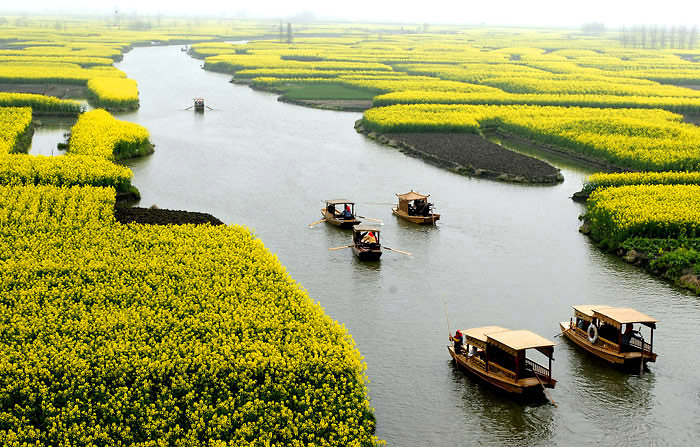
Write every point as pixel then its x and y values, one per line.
pixel 327 92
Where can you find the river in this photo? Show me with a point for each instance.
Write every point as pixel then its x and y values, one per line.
pixel 502 254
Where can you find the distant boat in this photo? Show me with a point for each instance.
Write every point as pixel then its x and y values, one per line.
pixel 184 48
pixel 338 217
pixel 415 208
pixel 198 104
pixel 366 244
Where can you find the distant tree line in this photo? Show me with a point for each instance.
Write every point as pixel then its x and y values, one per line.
pixel 655 36
pixel 593 28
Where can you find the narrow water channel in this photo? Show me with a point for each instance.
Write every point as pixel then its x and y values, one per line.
pixel 502 254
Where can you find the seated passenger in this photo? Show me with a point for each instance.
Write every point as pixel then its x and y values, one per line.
pixel 369 238
pixel 347 214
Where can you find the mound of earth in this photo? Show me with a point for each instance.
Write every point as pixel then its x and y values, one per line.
pixel 162 217
pixel 474 155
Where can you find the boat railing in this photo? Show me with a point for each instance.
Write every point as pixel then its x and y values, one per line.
pixel 501 371
pixel 637 344
pixel 536 368
pixel 478 362
pixel 608 345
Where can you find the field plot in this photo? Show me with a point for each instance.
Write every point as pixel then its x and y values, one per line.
pixel 156 332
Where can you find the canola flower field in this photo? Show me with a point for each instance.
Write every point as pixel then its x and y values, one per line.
pixel 98 133
pixel 125 334
pixel 655 211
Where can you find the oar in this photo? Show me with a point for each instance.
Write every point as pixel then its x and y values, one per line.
pixel 317 222
pixel 340 248
pixel 545 391
pixel 188 108
pixel 208 107
pixel 369 218
pixel 399 251
pixel 449 331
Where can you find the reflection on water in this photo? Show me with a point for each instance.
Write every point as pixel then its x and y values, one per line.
pixel 501 254
pixel 501 419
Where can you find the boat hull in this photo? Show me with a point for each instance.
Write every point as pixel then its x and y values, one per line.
pixel 628 359
pixel 420 220
pixel 366 254
pixel 523 387
pixel 342 223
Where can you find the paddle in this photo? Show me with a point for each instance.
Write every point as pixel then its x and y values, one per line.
pixel 317 222
pixel 339 248
pixel 369 218
pixel 188 108
pixel 399 251
pixel 208 107
pixel 545 391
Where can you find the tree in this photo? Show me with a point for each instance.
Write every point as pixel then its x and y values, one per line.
pixel 693 38
pixel 289 33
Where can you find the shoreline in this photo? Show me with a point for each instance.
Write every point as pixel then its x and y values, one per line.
pixel 687 280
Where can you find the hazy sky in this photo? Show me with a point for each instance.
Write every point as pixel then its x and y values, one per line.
pixel 522 12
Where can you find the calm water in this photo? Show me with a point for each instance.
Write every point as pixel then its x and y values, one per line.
pixel 502 254
pixel 48 134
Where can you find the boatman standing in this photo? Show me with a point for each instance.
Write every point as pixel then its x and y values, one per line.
pixel 457 340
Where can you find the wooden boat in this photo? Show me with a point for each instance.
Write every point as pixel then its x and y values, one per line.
pixel 333 216
pixel 415 208
pixel 599 330
pixel 497 356
pixel 365 242
pixel 198 104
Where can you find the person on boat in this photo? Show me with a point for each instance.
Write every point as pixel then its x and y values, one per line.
pixel 331 209
pixel 457 340
pixel 347 214
pixel 369 238
pixel 629 333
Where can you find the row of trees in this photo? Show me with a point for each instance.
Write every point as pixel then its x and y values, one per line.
pixel 655 36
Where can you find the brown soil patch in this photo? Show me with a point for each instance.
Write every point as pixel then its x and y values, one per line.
pixel 469 154
pixel 162 217
pixel 58 90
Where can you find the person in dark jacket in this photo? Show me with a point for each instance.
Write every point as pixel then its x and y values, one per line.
pixel 457 340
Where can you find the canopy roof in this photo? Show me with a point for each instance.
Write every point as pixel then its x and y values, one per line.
pixel 373 228
pixel 617 316
pixel 513 341
pixel 585 311
pixel 411 196
pixel 339 202
pixel 477 336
